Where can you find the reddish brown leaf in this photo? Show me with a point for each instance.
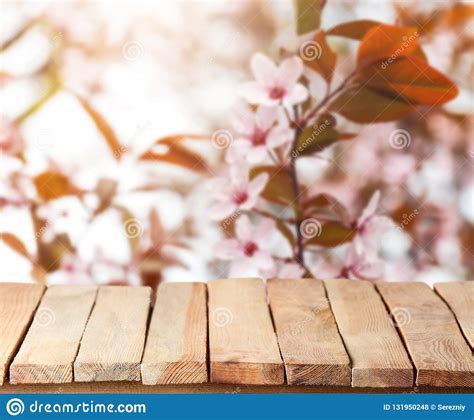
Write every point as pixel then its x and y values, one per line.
pixel 13 242
pixel 157 231
pixel 323 60
pixel 364 105
pixel 413 79
pixel 316 137
pixel 177 154
pixel 355 29
pixel 386 41
pixel 106 190
pixel 51 253
pixel 327 205
pixel 104 127
pixel 331 234
pixel 286 232
pixel 51 185
pixel 279 188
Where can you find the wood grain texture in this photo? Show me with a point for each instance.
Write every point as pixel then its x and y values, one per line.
pixel 176 345
pixel 242 343
pixel 51 344
pixel 210 388
pixel 459 296
pixel 440 353
pixel 310 343
pixel 377 354
pixel 113 342
pixel 17 305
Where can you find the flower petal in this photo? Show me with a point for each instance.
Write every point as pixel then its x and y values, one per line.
pixel 222 210
pixel 266 117
pixel 297 95
pixel 264 230
pixel 264 69
pixel 289 71
pixel 257 185
pixel 370 209
pixel 227 249
pixel 243 229
pixel 279 136
pixel 243 120
pixel 255 93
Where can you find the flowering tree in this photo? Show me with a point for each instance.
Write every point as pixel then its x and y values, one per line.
pixel 298 111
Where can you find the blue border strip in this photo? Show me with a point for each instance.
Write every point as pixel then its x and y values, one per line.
pixel 238 406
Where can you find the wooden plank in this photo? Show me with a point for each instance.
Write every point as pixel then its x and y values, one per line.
pixel 176 345
pixel 376 351
pixel 51 344
pixel 440 353
pixel 310 343
pixel 113 342
pixel 210 388
pixel 242 344
pixel 17 305
pixel 459 296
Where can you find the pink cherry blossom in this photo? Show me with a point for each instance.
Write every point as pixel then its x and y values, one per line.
pixel 247 249
pixel 361 265
pixel 290 271
pixel 257 134
pixel 275 84
pixel 11 142
pixel 370 226
pixel 235 192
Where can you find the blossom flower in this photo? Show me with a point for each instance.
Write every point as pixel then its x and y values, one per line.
pixel 290 271
pixel 246 250
pixel 11 142
pixel 361 265
pixel 235 192
pixel 257 134
pixel 275 84
pixel 370 226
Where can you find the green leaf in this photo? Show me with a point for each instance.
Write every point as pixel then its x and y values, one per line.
pixel 279 188
pixel 308 15
pixel 331 234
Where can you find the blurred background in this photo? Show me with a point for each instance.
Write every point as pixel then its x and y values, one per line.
pixel 85 82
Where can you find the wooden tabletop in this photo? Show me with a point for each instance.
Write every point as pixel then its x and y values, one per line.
pixel 238 335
